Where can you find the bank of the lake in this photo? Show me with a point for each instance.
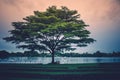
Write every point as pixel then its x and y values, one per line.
pixel 94 71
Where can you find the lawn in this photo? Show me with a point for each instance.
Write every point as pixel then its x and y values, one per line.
pixel 95 71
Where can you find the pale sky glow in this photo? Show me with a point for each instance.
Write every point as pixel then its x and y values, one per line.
pixel 103 16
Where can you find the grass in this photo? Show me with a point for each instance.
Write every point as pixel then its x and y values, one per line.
pixel 101 71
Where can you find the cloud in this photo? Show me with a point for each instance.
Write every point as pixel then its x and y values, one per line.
pixel 115 10
pixel 117 1
pixel 9 2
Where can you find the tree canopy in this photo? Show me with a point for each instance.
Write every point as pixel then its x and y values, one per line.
pixel 53 30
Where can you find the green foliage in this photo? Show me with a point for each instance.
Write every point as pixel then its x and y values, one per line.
pixel 53 30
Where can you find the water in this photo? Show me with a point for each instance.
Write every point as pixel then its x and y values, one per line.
pixel 63 60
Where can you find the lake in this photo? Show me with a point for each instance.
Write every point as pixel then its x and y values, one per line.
pixel 63 60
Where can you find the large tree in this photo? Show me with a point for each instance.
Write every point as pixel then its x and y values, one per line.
pixel 52 30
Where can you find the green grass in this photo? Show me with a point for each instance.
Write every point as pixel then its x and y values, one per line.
pixel 103 71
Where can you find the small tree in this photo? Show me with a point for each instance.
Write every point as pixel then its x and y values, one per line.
pixel 52 31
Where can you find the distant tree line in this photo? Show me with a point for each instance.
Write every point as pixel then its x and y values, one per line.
pixel 96 54
pixel 6 54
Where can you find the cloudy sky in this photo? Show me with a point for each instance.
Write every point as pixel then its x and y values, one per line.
pixel 103 16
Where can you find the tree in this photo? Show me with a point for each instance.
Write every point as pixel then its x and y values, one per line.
pixel 4 54
pixel 53 30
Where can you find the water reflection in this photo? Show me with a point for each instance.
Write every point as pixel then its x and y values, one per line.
pixel 63 60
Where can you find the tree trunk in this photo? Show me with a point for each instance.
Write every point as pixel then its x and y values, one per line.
pixel 53 61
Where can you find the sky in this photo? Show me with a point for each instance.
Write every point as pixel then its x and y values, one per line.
pixel 103 17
